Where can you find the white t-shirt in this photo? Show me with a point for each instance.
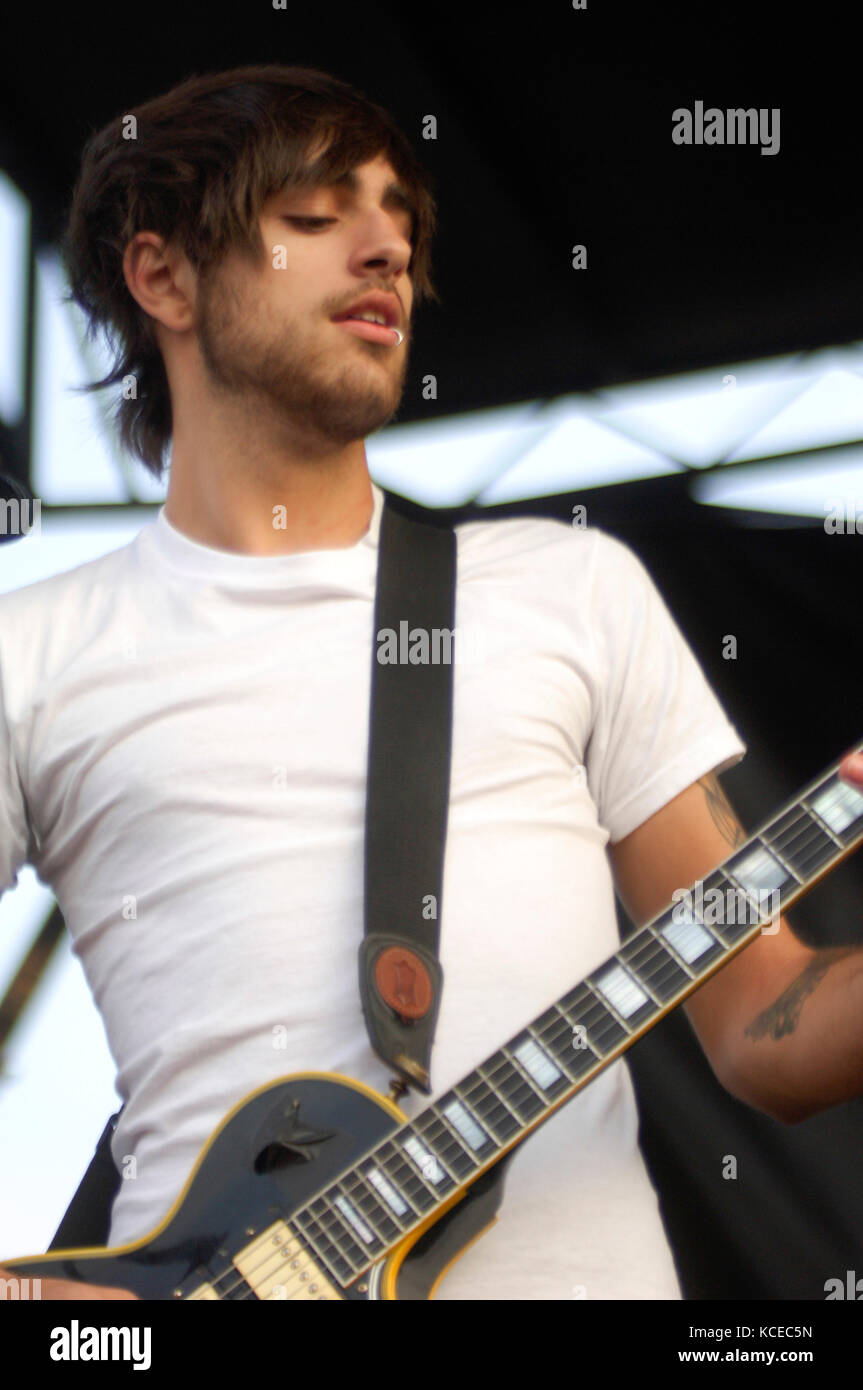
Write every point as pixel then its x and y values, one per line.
pixel 183 742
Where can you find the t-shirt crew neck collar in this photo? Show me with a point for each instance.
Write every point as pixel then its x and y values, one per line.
pixel 348 564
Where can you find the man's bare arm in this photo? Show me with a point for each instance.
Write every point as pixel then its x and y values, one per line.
pixel 780 1023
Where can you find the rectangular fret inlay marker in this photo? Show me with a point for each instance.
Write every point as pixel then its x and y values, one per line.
pixel 758 871
pixel 688 937
pixel 467 1127
pixel 426 1162
pixel 355 1219
pixel 838 805
pixel 626 996
pixel 537 1064
pixel 387 1191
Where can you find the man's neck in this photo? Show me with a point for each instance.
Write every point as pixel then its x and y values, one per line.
pixel 287 509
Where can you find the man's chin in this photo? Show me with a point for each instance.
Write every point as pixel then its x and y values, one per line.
pixel 349 416
pixel 340 426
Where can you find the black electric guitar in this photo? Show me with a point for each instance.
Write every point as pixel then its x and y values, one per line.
pixel 317 1187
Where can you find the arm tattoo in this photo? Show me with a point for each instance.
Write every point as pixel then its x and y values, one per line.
pixel 782 1016
pixel 721 810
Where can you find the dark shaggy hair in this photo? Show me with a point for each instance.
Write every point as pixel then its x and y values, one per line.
pixel 206 157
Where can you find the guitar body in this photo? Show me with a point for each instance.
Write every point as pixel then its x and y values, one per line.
pixel 272 1153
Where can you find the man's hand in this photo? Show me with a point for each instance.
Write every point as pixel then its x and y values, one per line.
pixel 851 770
pixel 68 1290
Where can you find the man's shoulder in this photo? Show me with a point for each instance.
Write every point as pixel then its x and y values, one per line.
pixel 72 584
pixel 56 613
pixel 547 547
pixel 522 539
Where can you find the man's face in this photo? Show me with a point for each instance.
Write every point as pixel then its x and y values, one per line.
pixel 268 335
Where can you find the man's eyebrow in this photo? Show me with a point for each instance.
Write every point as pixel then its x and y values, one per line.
pixel 395 195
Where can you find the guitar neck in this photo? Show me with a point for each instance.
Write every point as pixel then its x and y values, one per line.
pixel 422 1165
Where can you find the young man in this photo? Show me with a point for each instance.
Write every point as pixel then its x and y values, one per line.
pixel 185 720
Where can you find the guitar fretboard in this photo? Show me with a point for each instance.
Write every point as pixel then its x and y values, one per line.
pixel 354 1221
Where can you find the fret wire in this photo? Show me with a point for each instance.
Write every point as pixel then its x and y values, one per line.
pixel 474 1085
pixel 557 1043
pixel 807 825
pixel 550 1039
pixel 813 820
pixel 340 1221
pixel 776 854
pixel 555 1028
pixel 631 970
pixel 747 893
pixel 808 794
pixel 487 1124
pixel 642 940
pixel 473 1109
pixel 437 1131
pixel 547 1049
pixel 809 857
pixel 428 1144
pixel 654 949
pixel 502 1098
pixel 469 1152
pixel 525 1076
pixel 337 1228
pixel 396 1218
pixel 366 1190
pixel 416 1175
pixel 731 882
pixel 802 820
pixel 302 1223
pixel 510 1073
pixel 503 1068
pixel 578 1024
pixel 455 1139
pixel 595 1011
pixel 298 1217
pixel 566 1020
pixel 610 1008
pixel 472 1116
pixel 404 1162
pixel 825 827
pixel 664 971
pixel 711 929
pixel 405 1196
pixel 657 963
pixel 706 959
pixel 669 946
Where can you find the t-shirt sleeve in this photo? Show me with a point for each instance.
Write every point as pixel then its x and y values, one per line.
pixel 15 842
pixel 658 725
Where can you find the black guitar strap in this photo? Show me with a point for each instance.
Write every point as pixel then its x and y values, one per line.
pixel 407 796
pixel 407 800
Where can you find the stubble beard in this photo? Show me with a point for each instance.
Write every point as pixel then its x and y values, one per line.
pixel 330 392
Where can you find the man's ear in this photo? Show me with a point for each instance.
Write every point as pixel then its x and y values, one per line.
pixel 159 278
